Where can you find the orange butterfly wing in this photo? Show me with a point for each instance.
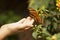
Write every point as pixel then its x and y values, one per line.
pixel 35 15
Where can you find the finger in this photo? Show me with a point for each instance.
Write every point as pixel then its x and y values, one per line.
pixel 29 18
pixel 22 20
pixel 28 27
pixel 32 21
pixel 28 22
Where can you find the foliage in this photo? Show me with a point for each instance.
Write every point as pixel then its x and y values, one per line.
pixel 47 9
pixel 8 17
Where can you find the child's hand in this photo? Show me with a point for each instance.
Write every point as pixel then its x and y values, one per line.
pixel 21 25
pixel 12 28
pixel 26 23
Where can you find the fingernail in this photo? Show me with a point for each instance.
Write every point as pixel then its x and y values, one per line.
pixel 29 18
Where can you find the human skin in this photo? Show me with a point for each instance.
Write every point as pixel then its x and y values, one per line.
pixel 12 28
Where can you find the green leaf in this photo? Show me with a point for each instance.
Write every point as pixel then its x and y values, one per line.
pixel 35 35
pixel 48 38
pixel 45 32
pixel 41 4
pixel 58 36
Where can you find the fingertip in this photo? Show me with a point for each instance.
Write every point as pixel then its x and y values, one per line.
pixel 33 20
pixel 22 20
pixel 31 25
pixel 29 18
pixel 26 28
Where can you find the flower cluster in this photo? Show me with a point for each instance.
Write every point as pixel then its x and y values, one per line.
pixel 58 4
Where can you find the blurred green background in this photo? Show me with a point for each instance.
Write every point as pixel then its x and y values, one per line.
pixel 12 10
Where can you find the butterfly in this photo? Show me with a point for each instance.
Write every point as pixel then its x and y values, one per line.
pixel 35 15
